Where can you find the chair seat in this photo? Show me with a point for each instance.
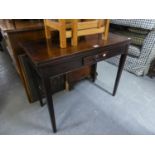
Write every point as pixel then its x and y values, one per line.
pixel 136 39
pixel 134 51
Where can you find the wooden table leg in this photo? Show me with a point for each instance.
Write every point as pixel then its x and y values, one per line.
pixel 48 91
pixel 93 72
pixel 119 72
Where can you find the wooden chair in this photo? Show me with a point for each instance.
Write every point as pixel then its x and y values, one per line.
pixel 75 28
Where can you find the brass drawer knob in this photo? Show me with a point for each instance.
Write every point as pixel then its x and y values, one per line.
pixel 104 54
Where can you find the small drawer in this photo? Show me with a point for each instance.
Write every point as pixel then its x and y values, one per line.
pixel 95 58
pixel 104 54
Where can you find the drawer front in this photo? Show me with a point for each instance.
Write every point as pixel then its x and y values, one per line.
pixel 103 54
pixel 95 58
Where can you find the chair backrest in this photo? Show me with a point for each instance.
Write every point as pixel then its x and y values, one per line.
pixel 148 24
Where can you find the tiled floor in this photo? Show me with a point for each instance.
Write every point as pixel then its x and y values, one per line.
pixel 85 110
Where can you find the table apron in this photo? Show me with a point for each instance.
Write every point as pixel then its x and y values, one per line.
pixel 80 61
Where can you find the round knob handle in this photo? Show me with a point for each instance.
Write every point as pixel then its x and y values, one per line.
pixel 104 54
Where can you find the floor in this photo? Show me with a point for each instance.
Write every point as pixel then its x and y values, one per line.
pixel 88 109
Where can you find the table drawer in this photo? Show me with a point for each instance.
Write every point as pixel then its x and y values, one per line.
pixel 102 55
pixel 95 58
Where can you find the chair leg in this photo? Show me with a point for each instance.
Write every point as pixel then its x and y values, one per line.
pixel 106 32
pixel 74 32
pixel 47 31
pixel 62 34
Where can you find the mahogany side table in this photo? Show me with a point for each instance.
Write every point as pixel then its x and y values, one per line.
pixel 47 60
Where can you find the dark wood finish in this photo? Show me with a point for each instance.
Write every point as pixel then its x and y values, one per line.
pixel 119 72
pixel 36 85
pixel 48 90
pixel 19 25
pixel 49 60
pixel 13 32
pixel 73 77
pixel 93 72
pixel 23 31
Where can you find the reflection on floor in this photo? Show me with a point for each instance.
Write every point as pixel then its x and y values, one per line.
pixel 85 110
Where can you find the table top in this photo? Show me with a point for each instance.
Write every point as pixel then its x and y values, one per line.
pixel 41 51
